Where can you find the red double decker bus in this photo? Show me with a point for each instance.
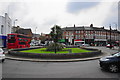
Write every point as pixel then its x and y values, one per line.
pixel 18 41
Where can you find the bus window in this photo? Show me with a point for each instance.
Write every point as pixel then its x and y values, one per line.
pixel 11 40
pixel 22 43
pixel 20 39
pixel 11 35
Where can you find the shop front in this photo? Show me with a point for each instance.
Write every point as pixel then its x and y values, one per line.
pixel 100 42
pixel 3 41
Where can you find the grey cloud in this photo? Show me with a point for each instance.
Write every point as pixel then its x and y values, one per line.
pixel 113 18
pixel 49 21
pixel 74 7
pixel 17 9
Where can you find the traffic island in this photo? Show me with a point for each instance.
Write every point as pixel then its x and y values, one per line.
pixel 21 53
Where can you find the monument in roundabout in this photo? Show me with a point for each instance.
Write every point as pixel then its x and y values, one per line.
pixel 55 50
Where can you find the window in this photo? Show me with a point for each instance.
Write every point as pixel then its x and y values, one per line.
pixel 20 39
pixel 11 40
pixel 22 43
pixel 11 35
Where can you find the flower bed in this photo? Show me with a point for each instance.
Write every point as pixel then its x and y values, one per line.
pixel 17 52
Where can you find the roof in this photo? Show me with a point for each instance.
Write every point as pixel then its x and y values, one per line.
pixel 24 31
pixel 36 35
pixel 88 28
pixel 81 28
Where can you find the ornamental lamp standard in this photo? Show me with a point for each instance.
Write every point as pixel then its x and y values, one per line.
pixel 55 32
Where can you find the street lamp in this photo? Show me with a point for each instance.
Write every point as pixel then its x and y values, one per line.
pixel 84 34
pixel 119 44
pixel 74 35
pixel 55 32
pixel 115 25
pixel 35 29
pixel 14 21
pixel 35 35
pixel 110 36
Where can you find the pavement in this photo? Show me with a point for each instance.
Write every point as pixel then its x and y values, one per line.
pixel 105 51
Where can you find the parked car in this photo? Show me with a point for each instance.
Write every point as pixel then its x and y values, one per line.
pixel 63 44
pixel 109 46
pixel 85 45
pixel 78 45
pixel 2 55
pixel 32 44
pixel 111 63
pixel 43 44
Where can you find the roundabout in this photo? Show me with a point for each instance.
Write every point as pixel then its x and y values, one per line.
pixel 26 55
pixel 22 67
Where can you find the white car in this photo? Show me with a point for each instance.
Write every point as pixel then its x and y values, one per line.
pixel 86 45
pixel 32 44
pixel 2 55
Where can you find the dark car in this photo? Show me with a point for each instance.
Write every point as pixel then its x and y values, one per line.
pixel 111 63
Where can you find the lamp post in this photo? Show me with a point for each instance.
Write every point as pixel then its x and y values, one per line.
pixel 119 36
pixel 84 34
pixel 35 35
pixel 14 22
pixel 119 46
pixel 35 29
pixel 115 25
pixel 55 32
pixel 74 35
pixel 110 36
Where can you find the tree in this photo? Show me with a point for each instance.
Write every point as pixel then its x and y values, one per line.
pixel 56 33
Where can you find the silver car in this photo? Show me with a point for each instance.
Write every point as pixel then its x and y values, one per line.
pixel 2 55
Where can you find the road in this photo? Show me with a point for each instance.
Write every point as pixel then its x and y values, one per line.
pixel 81 69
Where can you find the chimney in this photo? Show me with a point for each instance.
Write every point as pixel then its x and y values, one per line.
pixel 74 25
pixel 103 27
pixel 91 25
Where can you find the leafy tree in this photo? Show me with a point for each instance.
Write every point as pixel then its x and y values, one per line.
pixel 56 33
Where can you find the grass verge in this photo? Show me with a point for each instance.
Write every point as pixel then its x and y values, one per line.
pixel 65 50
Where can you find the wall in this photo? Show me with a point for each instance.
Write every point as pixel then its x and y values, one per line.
pixel 6 29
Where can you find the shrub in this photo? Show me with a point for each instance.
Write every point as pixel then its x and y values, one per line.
pixel 54 46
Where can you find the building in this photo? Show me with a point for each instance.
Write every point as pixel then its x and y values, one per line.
pixel 25 32
pixel 91 35
pixel 36 39
pixel 5 28
pixel 20 30
pixel 46 37
pixel 15 29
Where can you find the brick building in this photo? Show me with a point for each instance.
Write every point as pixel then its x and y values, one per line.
pixel 91 35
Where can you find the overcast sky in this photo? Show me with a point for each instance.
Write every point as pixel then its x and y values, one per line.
pixel 44 14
